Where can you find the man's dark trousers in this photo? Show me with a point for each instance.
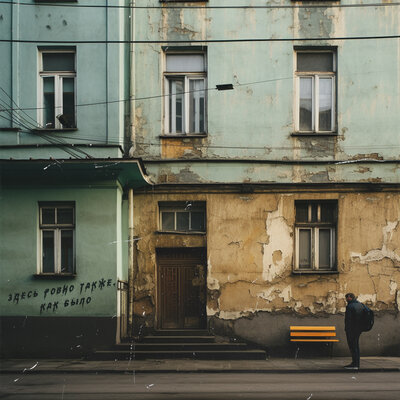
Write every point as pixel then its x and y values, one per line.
pixel 353 339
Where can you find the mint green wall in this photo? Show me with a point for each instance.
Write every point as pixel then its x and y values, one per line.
pixel 255 121
pixel 98 250
pixel 102 70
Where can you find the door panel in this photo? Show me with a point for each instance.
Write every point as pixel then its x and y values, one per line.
pixel 181 288
pixel 169 296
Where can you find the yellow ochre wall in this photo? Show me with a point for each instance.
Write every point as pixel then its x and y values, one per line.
pixel 250 253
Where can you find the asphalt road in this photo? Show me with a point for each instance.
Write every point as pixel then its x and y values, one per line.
pixel 199 386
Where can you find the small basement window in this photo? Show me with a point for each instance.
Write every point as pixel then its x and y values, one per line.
pixel 186 216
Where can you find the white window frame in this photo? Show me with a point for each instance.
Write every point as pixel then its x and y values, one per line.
pixel 185 77
pixel 180 208
pixel 315 77
pixel 314 228
pixel 58 89
pixel 57 229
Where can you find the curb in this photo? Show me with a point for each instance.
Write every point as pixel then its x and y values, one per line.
pixel 201 371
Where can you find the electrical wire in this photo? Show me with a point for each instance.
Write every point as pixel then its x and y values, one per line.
pixel 58 142
pixel 149 144
pixel 64 148
pixel 156 96
pixel 168 6
pixel 32 126
pixel 35 123
pixel 125 100
pixel 191 41
pixel 91 140
pixel 14 118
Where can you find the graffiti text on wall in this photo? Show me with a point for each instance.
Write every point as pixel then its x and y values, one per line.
pixel 78 295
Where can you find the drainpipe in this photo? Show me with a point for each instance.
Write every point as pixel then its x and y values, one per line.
pixel 107 71
pixel 132 87
pixel 133 265
pixel 14 75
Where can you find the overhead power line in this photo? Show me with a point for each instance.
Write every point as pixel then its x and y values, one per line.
pixel 215 146
pixel 171 6
pixel 158 143
pixel 31 126
pixel 91 140
pixel 246 40
pixel 146 97
pixel 157 96
pixel 57 142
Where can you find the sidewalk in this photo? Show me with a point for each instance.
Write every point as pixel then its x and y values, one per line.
pixel 277 365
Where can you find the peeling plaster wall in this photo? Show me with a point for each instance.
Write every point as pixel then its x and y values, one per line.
pixel 252 291
pixel 255 121
pixel 250 251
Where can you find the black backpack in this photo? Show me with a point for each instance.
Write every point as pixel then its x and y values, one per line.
pixel 367 321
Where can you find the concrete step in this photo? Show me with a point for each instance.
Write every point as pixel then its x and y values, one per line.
pixel 181 332
pixel 178 346
pixel 176 339
pixel 181 354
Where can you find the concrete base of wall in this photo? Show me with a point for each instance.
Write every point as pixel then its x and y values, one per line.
pixel 55 337
pixel 271 331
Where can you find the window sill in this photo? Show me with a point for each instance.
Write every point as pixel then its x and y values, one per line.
pixel 314 272
pixel 54 130
pixel 13 129
pixel 183 1
pixel 314 134
pixel 56 1
pixel 187 136
pixel 197 233
pixel 55 276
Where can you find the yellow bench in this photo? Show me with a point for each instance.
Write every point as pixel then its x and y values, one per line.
pixel 313 334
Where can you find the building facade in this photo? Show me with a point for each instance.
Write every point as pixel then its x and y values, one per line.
pixel 272 135
pixel 65 177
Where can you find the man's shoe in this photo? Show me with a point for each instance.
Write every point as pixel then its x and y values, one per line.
pixel 352 367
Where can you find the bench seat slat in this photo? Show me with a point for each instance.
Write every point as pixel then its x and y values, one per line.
pixel 312 328
pixel 313 334
pixel 314 340
pixel 308 334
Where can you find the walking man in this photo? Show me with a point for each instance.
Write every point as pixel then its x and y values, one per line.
pixel 353 328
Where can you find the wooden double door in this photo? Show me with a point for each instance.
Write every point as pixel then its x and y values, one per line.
pixel 181 288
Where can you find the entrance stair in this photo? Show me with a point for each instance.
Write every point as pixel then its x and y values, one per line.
pixel 177 344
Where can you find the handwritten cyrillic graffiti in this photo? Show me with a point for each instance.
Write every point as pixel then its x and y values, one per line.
pixel 16 297
pixel 52 294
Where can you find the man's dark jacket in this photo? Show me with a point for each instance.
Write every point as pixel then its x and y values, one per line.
pixel 353 317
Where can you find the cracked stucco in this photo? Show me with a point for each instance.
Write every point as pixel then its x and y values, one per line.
pixel 250 251
pixel 387 249
pixel 278 253
pixel 212 283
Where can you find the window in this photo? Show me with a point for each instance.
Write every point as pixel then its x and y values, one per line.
pixel 57 231
pixel 315 236
pixel 315 80
pixel 182 216
pixel 57 89
pixel 185 89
